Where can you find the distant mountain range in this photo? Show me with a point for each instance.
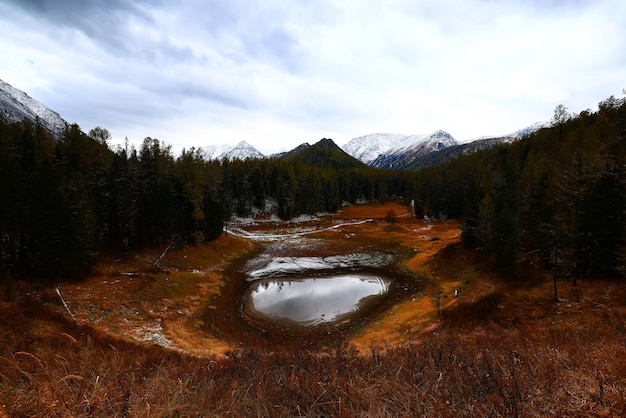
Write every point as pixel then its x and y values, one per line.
pixel 382 150
pixel 415 151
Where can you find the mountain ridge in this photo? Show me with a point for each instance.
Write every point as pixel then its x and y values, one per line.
pixel 16 106
pixel 382 150
pixel 413 147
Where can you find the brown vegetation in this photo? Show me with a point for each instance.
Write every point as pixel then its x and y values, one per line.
pixel 498 349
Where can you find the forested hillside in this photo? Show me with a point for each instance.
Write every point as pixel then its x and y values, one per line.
pixel 557 197
pixel 324 154
pixel 66 201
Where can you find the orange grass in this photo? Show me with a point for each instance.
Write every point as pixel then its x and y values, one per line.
pixel 518 354
pixel 132 297
pixel 502 348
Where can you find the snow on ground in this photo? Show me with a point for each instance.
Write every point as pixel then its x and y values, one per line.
pixel 154 334
pixel 269 215
pixel 271 265
pixel 278 266
pixel 240 232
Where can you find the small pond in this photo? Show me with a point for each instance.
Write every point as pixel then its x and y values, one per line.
pixel 306 302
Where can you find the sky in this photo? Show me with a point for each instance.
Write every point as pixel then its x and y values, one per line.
pixel 276 74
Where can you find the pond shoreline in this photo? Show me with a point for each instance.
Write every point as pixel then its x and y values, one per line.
pixel 192 301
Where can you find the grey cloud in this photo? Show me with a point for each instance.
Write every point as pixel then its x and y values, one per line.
pixel 177 89
pixel 99 20
pixel 244 31
pixel 282 46
pixel 107 23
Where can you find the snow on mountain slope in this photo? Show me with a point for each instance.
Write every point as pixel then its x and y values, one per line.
pixel 394 150
pixel 15 106
pixel 241 151
pixel 381 147
pixel 517 134
pixel 529 129
pixel 413 147
pixel 367 148
pixel 212 152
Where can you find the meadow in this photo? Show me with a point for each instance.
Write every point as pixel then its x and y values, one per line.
pixel 152 334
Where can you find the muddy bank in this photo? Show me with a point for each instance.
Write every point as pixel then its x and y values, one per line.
pixel 294 259
pixel 192 301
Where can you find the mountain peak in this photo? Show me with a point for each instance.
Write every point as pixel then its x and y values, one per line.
pixel 326 154
pixel 326 143
pixel 241 151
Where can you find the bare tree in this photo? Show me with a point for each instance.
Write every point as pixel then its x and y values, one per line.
pixel 561 116
pixel 99 134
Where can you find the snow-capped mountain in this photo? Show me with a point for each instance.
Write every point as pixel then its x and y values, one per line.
pixel 401 151
pixel 212 152
pixel 406 148
pixel 469 147
pixel 241 151
pixel 367 148
pixel 395 150
pixel 15 106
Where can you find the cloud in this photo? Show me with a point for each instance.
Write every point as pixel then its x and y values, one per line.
pixel 102 21
pixel 280 73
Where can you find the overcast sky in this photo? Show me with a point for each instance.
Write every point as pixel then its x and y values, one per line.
pixel 279 73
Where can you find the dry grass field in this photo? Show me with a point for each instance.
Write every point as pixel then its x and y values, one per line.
pixel 146 338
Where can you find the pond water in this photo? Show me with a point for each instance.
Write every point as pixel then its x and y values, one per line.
pixel 311 301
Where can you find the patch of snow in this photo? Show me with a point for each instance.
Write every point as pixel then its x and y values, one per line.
pixel 242 233
pixel 276 266
pixel 155 335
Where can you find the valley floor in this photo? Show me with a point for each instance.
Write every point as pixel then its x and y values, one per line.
pixel 170 303
pixel 143 335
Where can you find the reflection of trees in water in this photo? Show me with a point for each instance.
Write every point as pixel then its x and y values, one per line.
pixel 317 300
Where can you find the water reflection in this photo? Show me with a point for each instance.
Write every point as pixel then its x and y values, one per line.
pixel 312 301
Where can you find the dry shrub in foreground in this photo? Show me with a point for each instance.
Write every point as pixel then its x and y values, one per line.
pixel 564 360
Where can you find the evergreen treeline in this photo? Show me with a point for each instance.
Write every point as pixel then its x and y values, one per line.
pixel 558 195
pixel 66 200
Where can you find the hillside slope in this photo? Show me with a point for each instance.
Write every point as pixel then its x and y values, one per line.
pixel 325 154
pixel 16 106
